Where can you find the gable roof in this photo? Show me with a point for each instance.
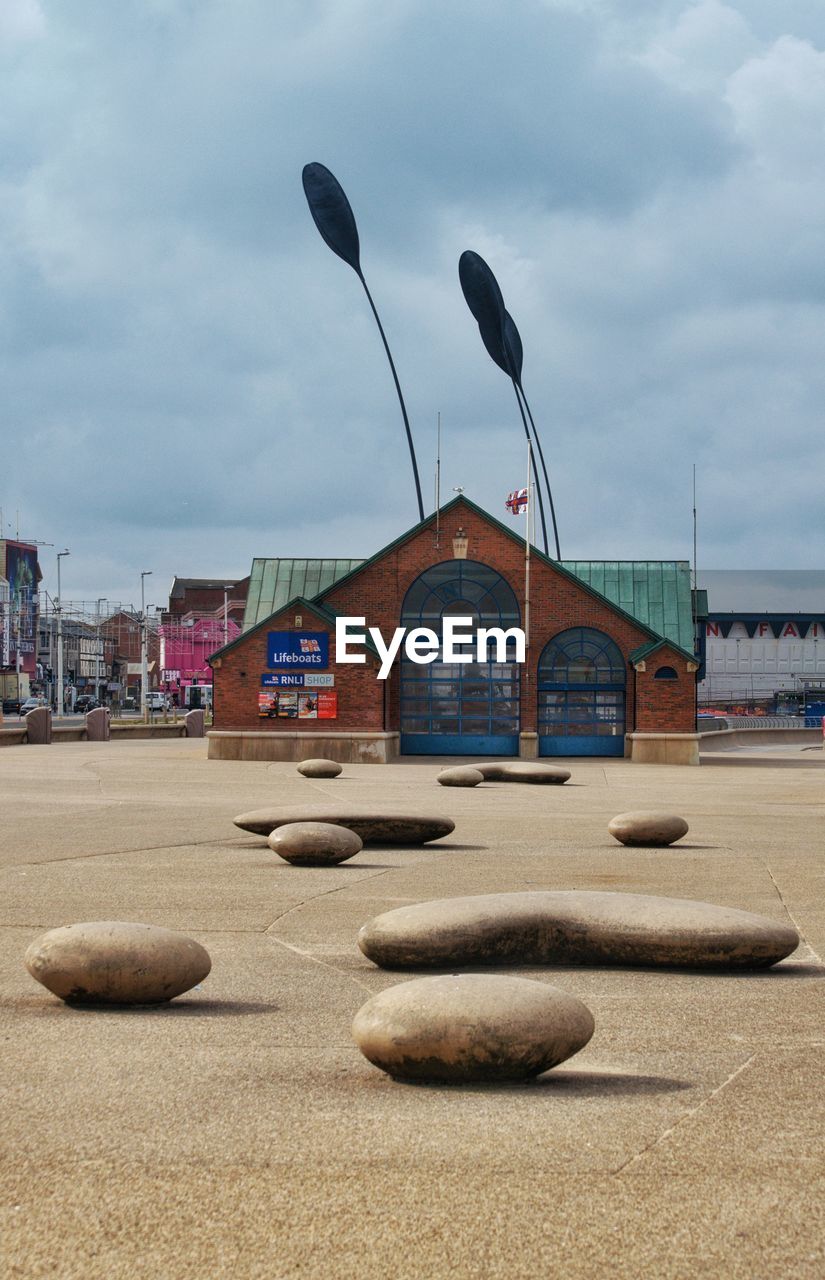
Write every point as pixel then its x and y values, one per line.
pixel 654 595
pixel 659 591
pixel 314 606
pixel 645 650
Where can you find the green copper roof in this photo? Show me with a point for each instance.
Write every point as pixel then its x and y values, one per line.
pixel 273 583
pixel 656 592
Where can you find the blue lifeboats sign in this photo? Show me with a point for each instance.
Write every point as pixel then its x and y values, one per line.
pixel 298 649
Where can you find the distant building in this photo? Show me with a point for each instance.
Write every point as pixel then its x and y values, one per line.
pixel 201 596
pixel 762 636
pixel 20 572
pixel 185 645
pixel 203 615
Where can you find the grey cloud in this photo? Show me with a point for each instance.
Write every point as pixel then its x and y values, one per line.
pixel 176 333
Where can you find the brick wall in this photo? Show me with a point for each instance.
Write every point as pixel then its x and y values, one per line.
pixel 237 683
pixel 210 599
pixel 377 592
pixel 665 706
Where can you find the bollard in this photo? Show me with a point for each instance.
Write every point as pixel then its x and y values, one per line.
pixel 97 725
pixel 39 725
pixel 193 722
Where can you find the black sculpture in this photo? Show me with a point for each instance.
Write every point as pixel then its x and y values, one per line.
pixel 333 216
pixel 503 343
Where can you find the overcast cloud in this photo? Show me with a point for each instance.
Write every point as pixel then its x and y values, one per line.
pixel 191 378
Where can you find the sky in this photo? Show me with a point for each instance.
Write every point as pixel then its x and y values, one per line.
pixel 191 378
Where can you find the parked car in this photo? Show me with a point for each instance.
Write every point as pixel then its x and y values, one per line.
pixel 157 701
pixel 31 704
pixel 11 706
pixel 86 702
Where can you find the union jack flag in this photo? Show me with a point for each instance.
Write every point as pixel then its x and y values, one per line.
pixel 516 502
pixel 310 646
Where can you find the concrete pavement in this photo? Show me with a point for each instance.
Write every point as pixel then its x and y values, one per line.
pixel 238 1131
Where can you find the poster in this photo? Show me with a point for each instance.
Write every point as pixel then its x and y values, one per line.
pixel 21 571
pixel 267 704
pixel 308 705
pixel 327 704
pixel 287 705
pixel 304 704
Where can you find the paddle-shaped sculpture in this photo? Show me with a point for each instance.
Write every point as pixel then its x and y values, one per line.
pixel 333 216
pixel 503 344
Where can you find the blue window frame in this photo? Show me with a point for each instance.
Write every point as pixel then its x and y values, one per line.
pixel 581 695
pixel 460 708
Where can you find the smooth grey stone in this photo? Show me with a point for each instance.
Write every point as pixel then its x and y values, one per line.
pixel 373 828
pixel 115 962
pixel 460 776
pixel 471 1028
pixel 644 826
pixel 523 771
pixel 320 768
pixel 314 843
pixel 574 927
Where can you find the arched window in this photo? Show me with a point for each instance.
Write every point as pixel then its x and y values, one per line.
pixel 666 673
pixel 462 707
pixel 582 656
pixel 581 694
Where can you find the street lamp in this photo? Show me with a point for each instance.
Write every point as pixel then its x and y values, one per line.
pixel 226 591
pixel 61 693
pixel 144 666
pixel 99 648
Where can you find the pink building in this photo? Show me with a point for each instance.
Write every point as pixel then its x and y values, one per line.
pixel 185 645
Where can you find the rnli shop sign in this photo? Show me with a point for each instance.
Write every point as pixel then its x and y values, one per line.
pixel 296 680
pixel 301 650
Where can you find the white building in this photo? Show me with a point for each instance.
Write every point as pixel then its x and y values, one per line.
pixel 763 635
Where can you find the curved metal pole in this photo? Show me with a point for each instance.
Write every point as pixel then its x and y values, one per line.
pixel 538 487
pixel 400 397
pixel 546 478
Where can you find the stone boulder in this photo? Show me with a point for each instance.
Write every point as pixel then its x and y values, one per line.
pixel 460 776
pixel 113 962
pixel 523 771
pixel 373 828
pixel 647 827
pixel 314 844
pixel 471 1028
pixel 319 768
pixel 574 927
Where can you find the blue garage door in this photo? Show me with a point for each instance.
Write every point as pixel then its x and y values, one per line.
pixel 461 708
pixel 581 683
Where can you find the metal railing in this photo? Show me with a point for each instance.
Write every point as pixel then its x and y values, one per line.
pixel 761 722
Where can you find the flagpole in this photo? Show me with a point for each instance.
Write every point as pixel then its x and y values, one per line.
pixel 527 558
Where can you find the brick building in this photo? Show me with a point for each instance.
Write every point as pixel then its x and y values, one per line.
pixel 196 597
pixel 609 670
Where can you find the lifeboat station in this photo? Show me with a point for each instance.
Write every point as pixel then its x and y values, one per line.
pixel 609 668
